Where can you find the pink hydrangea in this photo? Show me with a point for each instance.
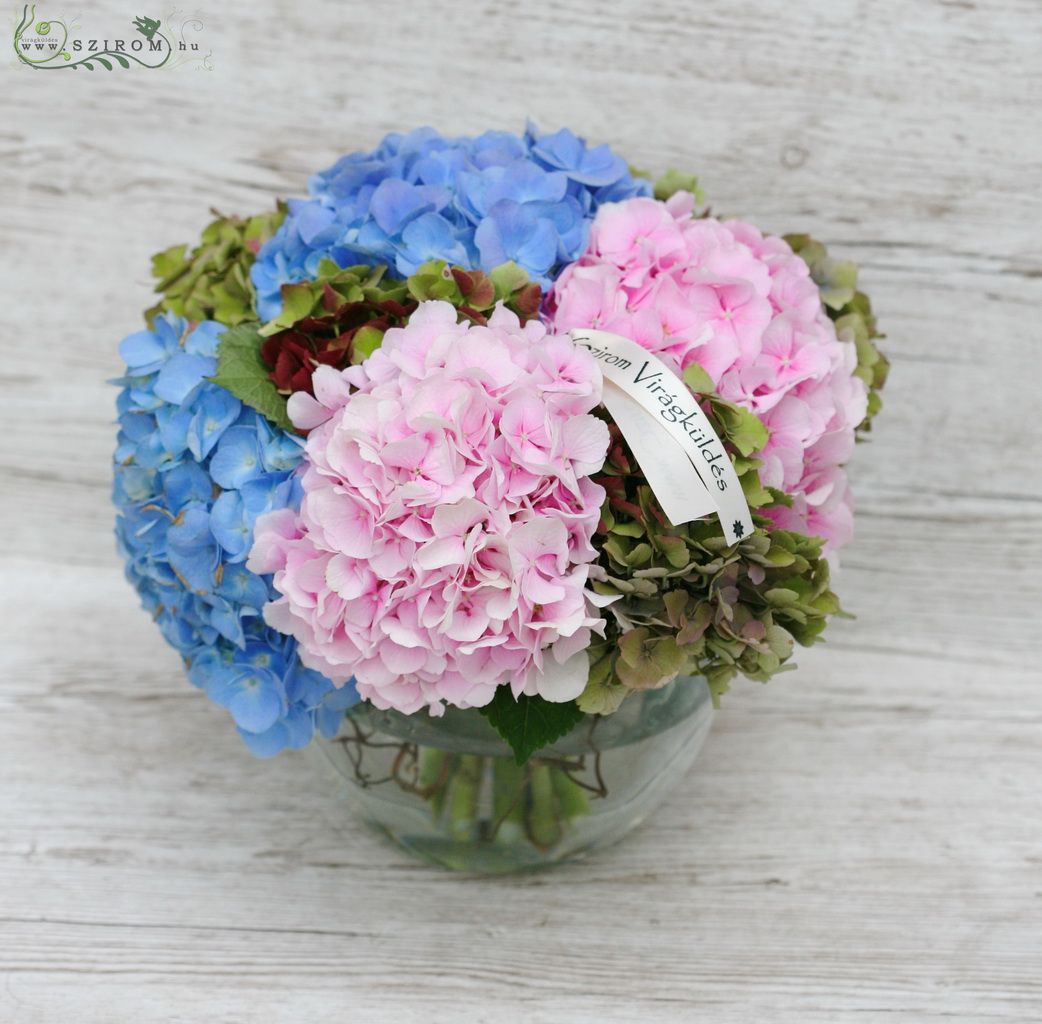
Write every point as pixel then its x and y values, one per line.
pixel 742 306
pixel 444 540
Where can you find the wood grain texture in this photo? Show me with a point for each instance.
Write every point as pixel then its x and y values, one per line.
pixel 860 842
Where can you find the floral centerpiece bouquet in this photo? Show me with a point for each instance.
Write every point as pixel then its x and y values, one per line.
pixel 413 449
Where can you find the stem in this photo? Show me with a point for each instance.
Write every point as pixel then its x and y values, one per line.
pixel 543 819
pixel 463 798
pixel 477 799
pixel 570 796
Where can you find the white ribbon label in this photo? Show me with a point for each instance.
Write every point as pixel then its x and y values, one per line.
pixel 650 404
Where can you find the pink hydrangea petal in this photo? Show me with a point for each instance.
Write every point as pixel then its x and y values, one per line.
pixel 559 682
pixel 447 512
pixel 741 305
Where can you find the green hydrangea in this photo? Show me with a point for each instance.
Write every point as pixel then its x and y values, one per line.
pixel 212 281
pixel 689 602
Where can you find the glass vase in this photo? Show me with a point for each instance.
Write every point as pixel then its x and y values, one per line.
pixel 449 791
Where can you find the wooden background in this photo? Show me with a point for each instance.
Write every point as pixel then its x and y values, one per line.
pixel 861 841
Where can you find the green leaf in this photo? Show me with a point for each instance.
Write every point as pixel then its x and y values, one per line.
pixel 675 550
pixel 297 302
pixel 781 597
pixel 698 380
pixel 168 262
pixel 365 342
pixel 434 280
pixel 241 371
pixel 780 641
pixel 744 429
pixel 508 277
pixel 529 723
pixel 756 495
pixel 674 181
pixel 628 529
pixel 122 60
pixel 779 557
pixel 646 661
pixel 603 693
pixel 104 63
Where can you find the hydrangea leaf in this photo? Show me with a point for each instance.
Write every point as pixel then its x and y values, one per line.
pixel 756 495
pixel 698 380
pixel 741 427
pixel 435 281
pixel 242 371
pixel 674 549
pixel 297 302
pixel 365 343
pixel 674 181
pixel 647 661
pixel 508 278
pixel 530 723
pixel 604 693
pixel 167 263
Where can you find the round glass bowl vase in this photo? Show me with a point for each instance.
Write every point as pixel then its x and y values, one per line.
pixel 448 789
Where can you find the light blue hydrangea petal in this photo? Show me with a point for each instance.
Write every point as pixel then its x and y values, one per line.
pixel 229 526
pixel 395 203
pixel 266 744
pixel 426 238
pixel 186 484
pixel 153 454
pixel 205 339
pixel 226 618
pixel 173 423
pixel 182 373
pixel 265 654
pixel 264 493
pixel 136 424
pixel 313 220
pixel 256 705
pixel 513 232
pixel 377 197
pixel 293 731
pixel 136 484
pixel 143 351
pixel 282 453
pixel 202 662
pixel 244 590
pixel 237 458
pixel 214 411
pixel 192 550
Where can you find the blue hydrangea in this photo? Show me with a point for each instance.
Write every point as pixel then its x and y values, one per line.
pixel 477 202
pixel 194 468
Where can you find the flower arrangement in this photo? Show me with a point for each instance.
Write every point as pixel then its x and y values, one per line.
pixel 366 451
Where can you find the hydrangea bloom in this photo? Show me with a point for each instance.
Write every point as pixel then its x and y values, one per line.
pixel 742 306
pixel 443 541
pixel 194 468
pixel 477 202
